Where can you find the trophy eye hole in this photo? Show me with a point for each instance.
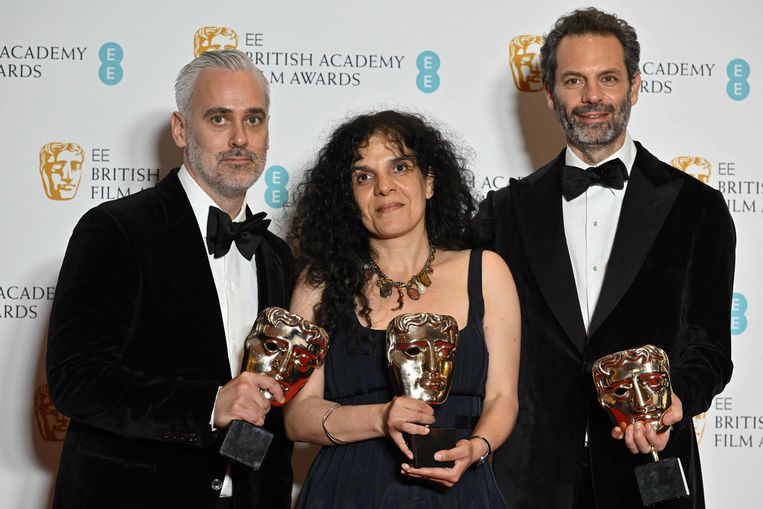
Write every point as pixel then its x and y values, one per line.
pixel 271 346
pixel 413 351
pixel 620 392
pixel 654 381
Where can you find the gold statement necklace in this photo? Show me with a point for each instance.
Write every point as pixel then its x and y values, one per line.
pixel 414 287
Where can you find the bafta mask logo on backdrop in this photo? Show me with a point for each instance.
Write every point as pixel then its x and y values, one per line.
pixel 698 167
pixel 524 60
pixel 50 422
pixel 61 169
pixel 211 38
pixel 700 421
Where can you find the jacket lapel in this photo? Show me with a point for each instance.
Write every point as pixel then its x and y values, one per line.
pixel 538 208
pixel 184 263
pixel 649 197
pixel 271 277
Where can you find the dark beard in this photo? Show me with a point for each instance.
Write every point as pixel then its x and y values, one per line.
pixel 602 135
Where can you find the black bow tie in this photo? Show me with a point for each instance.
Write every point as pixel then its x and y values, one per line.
pixel 575 181
pixel 247 234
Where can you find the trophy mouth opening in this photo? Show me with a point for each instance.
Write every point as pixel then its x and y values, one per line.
pixel 432 382
pixel 651 418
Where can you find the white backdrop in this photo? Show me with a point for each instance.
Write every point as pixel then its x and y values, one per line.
pixel 99 75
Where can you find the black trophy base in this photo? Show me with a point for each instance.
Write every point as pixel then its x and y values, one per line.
pixel 246 443
pixel 424 447
pixel 661 480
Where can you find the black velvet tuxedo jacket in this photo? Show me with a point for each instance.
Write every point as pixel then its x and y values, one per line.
pixel 136 353
pixel 668 282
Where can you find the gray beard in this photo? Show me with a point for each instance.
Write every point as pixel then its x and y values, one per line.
pixel 215 179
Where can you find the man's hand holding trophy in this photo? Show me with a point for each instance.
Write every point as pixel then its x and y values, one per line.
pixel 287 348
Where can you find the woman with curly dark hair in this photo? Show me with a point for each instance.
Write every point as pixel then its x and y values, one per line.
pixel 379 229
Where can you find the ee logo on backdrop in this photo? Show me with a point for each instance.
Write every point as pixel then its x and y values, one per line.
pixel 738 313
pixel 61 169
pixel 110 72
pixel 276 194
pixel 738 87
pixel 428 63
pixel 524 61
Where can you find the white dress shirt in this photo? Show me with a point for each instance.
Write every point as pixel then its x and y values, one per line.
pixel 235 281
pixel 590 222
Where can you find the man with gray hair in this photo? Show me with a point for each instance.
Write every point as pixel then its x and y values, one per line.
pixel 152 309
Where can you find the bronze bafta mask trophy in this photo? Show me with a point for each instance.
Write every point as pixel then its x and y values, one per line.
pixel 421 348
pixel 634 385
pixel 287 348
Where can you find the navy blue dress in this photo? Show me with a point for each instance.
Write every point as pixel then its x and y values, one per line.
pixel 366 474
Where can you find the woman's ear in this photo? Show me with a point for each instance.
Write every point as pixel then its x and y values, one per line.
pixel 430 182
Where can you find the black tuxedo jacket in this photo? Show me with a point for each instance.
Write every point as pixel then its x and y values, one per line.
pixel 136 353
pixel 668 282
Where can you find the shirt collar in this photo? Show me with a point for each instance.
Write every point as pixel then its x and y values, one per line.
pixel 626 153
pixel 201 201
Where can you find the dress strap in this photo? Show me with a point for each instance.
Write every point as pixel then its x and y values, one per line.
pixel 474 288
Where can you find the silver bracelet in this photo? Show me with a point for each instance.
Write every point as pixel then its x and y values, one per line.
pixel 330 435
pixel 489 449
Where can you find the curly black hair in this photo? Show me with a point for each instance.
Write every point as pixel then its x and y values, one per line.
pixel 331 244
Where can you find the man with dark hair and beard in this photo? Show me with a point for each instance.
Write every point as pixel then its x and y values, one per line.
pixel 610 249
pixel 152 308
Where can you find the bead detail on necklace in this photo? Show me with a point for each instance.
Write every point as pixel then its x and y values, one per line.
pixel 414 287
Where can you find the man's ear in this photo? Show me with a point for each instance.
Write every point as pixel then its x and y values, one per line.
pixel 550 101
pixel 635 87
pixel 178 129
